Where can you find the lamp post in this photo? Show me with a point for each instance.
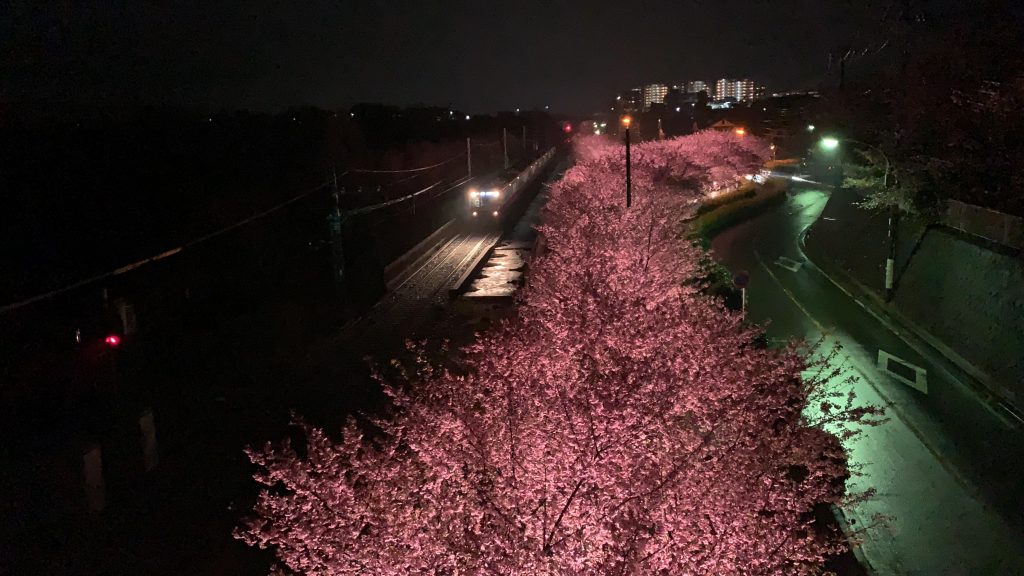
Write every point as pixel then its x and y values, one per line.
pixel 626 121
pixel 831 144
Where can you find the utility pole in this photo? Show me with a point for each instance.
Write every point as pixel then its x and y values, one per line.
pixel 337 238
pixel 469 159
pixel 524 140
pixel 504 145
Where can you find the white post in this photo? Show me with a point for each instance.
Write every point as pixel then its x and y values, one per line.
pixel 743 305
pixel 92 470
pixel 150 449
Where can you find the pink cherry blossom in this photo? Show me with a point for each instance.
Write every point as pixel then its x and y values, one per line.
pixel 621 423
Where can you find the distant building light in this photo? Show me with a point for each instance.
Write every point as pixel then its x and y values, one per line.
pixel 113 340
pixel 467 116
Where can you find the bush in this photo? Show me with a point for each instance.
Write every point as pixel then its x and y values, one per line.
pixel 706 226
pixel 746 190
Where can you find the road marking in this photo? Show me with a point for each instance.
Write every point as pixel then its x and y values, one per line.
pixel 886 361
pixel 890 404
pixel 788 264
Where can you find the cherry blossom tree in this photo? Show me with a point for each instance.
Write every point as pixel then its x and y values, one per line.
pixel 622 423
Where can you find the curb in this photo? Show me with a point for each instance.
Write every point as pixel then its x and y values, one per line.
pixel 855 549
pixel 459 286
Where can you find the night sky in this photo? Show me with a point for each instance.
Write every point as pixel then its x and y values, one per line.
pixel 479 56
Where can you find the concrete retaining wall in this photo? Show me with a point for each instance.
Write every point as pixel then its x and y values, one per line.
pixel 964 295
pixel 972 299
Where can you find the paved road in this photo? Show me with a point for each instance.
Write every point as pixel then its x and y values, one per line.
pixel 946 465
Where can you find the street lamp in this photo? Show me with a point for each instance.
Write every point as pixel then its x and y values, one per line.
pixel 830 144
pixel 626 121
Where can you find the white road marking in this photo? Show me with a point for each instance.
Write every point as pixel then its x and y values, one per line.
pixel 788 264
pixel 920 381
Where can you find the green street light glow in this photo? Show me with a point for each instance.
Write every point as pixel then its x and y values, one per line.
pixel 829 143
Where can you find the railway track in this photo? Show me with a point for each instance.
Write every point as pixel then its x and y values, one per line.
pixel 397 316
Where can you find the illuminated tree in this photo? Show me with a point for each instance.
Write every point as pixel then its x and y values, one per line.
pixel 621 424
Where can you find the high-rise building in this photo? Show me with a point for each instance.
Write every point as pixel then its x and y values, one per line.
pixel 629 101
pixel 695 86
pixel 738 90
pixel 654 94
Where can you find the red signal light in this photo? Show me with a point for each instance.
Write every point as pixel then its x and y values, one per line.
pixel 113 340
pixel 567 128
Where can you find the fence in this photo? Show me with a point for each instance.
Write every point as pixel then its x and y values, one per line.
pixel 996 226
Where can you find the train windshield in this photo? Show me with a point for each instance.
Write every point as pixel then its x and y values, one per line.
pixel 483 197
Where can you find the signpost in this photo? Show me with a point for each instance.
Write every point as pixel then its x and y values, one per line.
pixel 741 280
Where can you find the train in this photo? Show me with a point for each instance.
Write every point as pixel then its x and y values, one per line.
pixel 490 203
pixel 487 202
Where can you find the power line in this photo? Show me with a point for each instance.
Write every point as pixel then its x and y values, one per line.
pixel 162 255
pixel 171 252
pixel 442 163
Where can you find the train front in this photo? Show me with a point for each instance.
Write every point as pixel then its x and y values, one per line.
pixel 485 205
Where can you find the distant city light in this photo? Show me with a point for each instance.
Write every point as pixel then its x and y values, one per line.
pixel 810 127
pixel 740 131
pixel 467 116
pixel 678 109
pixel 113 340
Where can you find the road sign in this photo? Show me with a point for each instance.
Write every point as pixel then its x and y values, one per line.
pixel 741 279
